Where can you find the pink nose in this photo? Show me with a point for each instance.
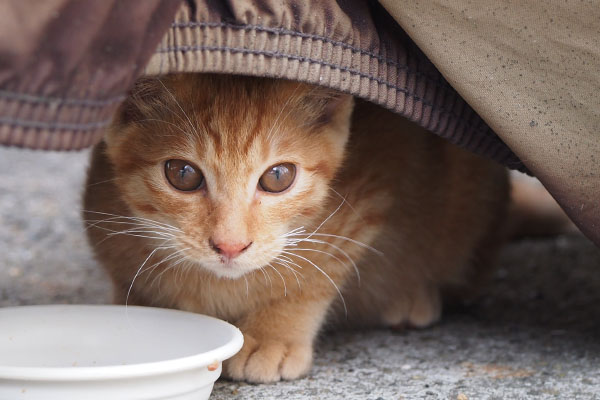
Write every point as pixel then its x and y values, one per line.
pixel 227 249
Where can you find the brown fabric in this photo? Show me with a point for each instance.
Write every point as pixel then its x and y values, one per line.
pixel 65 65
pixel 63 78
pixel 353 46
pixel 532 71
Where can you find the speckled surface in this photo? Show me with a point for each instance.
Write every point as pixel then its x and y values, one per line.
pixel 535 334
pixel 530 70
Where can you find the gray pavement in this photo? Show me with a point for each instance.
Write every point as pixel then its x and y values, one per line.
pixel 534 335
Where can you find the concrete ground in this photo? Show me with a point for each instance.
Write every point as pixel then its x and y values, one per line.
pixel 535 334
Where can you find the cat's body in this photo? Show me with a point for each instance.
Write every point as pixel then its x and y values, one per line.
pixel 407 212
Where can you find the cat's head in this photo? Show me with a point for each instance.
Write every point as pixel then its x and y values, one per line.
pixel 234 163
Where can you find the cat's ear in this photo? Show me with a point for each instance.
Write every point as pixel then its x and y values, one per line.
pixel 142 102
pixel 328 106
pixel 337 105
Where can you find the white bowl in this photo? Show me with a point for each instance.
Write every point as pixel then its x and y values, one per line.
pixel 111 352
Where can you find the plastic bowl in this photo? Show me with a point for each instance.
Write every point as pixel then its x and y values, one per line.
pixel 111 352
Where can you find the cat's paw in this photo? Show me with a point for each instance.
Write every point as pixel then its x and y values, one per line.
pixel 421 309
pixel 269 361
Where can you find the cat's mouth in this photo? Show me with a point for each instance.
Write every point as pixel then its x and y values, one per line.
pixel 230 262
pixel 220 265
pixel 231 269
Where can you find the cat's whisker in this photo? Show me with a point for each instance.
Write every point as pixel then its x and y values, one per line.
pixel 333 256
pixel 324 273
pixel 137 219
pixel 349 205
pixel 287 265
pixel 164 122
pixel 158 284
pixel 361 244
pixel 92 223
pixel 287 102
pixel 268 276
pixel 185 270
pixel 180 270
pixel 344 253
pixel 166 259
pixel 288 237
pixel 138 272
pixel 178 105
pixel 294 231
pixel 294 272
pixel 288 261
pixel 133 232
pixel 286 258
pixel 105 181
pixel 135 235
pixel 179 117
pixel 189 268
pixel 170 257
pixel 327 219
pixel 159 276
pixel 264 275
pixel 291 264
pixel 279 125
pixel 142 233
pixel 139 230
pixel 151 269
pixel 282 279
pixel 247 287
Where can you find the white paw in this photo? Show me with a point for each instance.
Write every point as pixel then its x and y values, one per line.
pixel 269 361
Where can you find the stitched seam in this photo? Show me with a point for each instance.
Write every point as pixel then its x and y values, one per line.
pixel 292 57
pixel 54 125
pixel 310 60
pixel 439 83
pixel 281 31
pixel 28 98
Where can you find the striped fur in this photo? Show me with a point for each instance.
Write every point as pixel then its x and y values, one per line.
pixel 408 213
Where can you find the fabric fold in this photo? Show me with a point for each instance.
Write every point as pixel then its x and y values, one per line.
pixel 65 66
pixel 352 46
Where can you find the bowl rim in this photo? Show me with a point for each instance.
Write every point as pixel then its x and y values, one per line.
pixel 139 370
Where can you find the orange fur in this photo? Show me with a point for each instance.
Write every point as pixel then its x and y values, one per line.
pixel 414 214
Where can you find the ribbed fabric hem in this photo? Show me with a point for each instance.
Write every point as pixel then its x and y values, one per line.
pixel 53 123
pixel 395 81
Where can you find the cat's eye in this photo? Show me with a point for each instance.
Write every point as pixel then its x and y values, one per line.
pixel 278 178
pixel 183 175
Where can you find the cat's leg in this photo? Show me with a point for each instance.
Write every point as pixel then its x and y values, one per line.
pixel 418 307
pixel 278 340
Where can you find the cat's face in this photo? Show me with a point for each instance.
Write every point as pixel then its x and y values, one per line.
pixel 232 163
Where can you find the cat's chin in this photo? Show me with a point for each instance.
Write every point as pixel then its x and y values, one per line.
pixel 229 270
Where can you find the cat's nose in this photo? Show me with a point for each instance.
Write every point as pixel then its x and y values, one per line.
pixel 228 249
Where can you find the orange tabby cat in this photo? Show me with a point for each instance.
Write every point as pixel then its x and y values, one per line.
pixel 248 199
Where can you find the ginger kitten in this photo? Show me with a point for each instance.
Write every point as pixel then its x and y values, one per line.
pixel 250 200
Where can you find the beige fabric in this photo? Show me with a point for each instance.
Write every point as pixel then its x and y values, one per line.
pixel 531 69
